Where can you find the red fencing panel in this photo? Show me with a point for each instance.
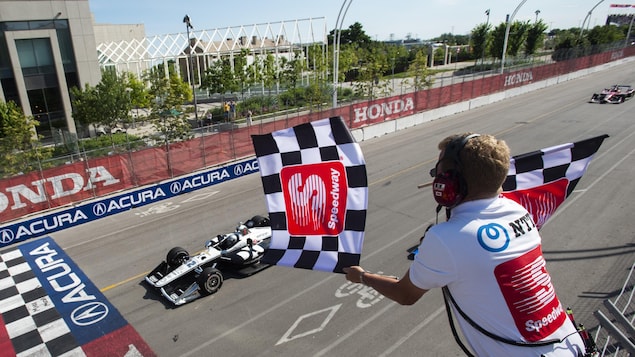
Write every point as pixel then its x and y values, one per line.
pixel 59 186
pixel 467 91
pixel 518 78
pixel 497 83
pixel 186 157
pixel 216 149
pixel 150 165
pixel 477 87
pixel 421 100
pixel 29 193
pixel 541 72
pixel 110 174
pixel 433 98
pixel 296 120
pixel 380 110
pixel 242 143
pixel 456 92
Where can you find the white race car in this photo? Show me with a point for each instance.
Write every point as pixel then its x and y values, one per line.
pixel 182 278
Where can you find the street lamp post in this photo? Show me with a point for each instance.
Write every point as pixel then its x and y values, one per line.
pixel 588 16
pixel 537 13
pixel 128 94
pixel 509 22
pixel 336 47
pixel 486 27
pixel 188 26
pixel 628 34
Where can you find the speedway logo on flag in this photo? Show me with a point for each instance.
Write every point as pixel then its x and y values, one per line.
pixel 316 190
pixel 541 180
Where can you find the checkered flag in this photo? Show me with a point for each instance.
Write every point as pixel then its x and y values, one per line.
pixel 316 190
pixel 542 180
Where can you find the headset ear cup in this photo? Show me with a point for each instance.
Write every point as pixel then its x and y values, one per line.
pixel 448 188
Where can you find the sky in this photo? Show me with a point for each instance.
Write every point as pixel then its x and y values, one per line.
pixel 380 19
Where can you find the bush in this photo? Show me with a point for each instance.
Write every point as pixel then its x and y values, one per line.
pixel 102 145
pixel 259 105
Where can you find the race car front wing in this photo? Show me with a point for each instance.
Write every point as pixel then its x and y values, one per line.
pixel 180 291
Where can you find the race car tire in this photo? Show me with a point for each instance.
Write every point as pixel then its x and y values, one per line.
pixel 177 256
pixel 210 280
pixel 260 221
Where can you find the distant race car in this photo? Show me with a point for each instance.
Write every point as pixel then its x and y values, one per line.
pixel 182 278
pixel 616 94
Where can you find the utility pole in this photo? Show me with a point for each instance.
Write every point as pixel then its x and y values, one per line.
pixel 188 26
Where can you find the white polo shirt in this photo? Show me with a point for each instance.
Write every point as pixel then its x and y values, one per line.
pixel 489 255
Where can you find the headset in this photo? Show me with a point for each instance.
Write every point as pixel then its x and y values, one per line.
pixel 449 188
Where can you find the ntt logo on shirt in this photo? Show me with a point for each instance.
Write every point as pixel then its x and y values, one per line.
pixel 315 198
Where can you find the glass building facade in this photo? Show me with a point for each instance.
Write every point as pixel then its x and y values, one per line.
pixel 37 67
pixel 40 61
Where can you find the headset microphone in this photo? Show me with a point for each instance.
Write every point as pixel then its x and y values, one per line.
pixel 449 187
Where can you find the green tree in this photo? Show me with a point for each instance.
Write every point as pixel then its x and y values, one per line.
pixel 108 103
pixel 354 34
pixel 86 105
pixel 439 55
pixel 567 45
pixel 535 37
pixel 270 72
pixel 241 74
pixel 348 61
pixel 291 69
pixel 139 95
pixel 115 101
pixel 255 72
pixel 478 41
pixel 219 77
pixel 604 35
pixel 373 65
pixel 452 39
pixel 497 39
pixel 418 69
pixel 517 37
pixel 169 93
pixel 20 150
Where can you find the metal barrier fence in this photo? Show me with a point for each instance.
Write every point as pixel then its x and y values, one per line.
pixel 615 335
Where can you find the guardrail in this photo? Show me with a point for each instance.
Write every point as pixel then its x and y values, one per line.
pixel 615 335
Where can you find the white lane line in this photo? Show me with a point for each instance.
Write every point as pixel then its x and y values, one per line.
pixel 412 332
pixel 355 330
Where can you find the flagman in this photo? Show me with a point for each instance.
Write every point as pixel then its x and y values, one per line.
pixel 487 258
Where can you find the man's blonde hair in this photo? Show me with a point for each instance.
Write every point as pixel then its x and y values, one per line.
pixel 484 162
